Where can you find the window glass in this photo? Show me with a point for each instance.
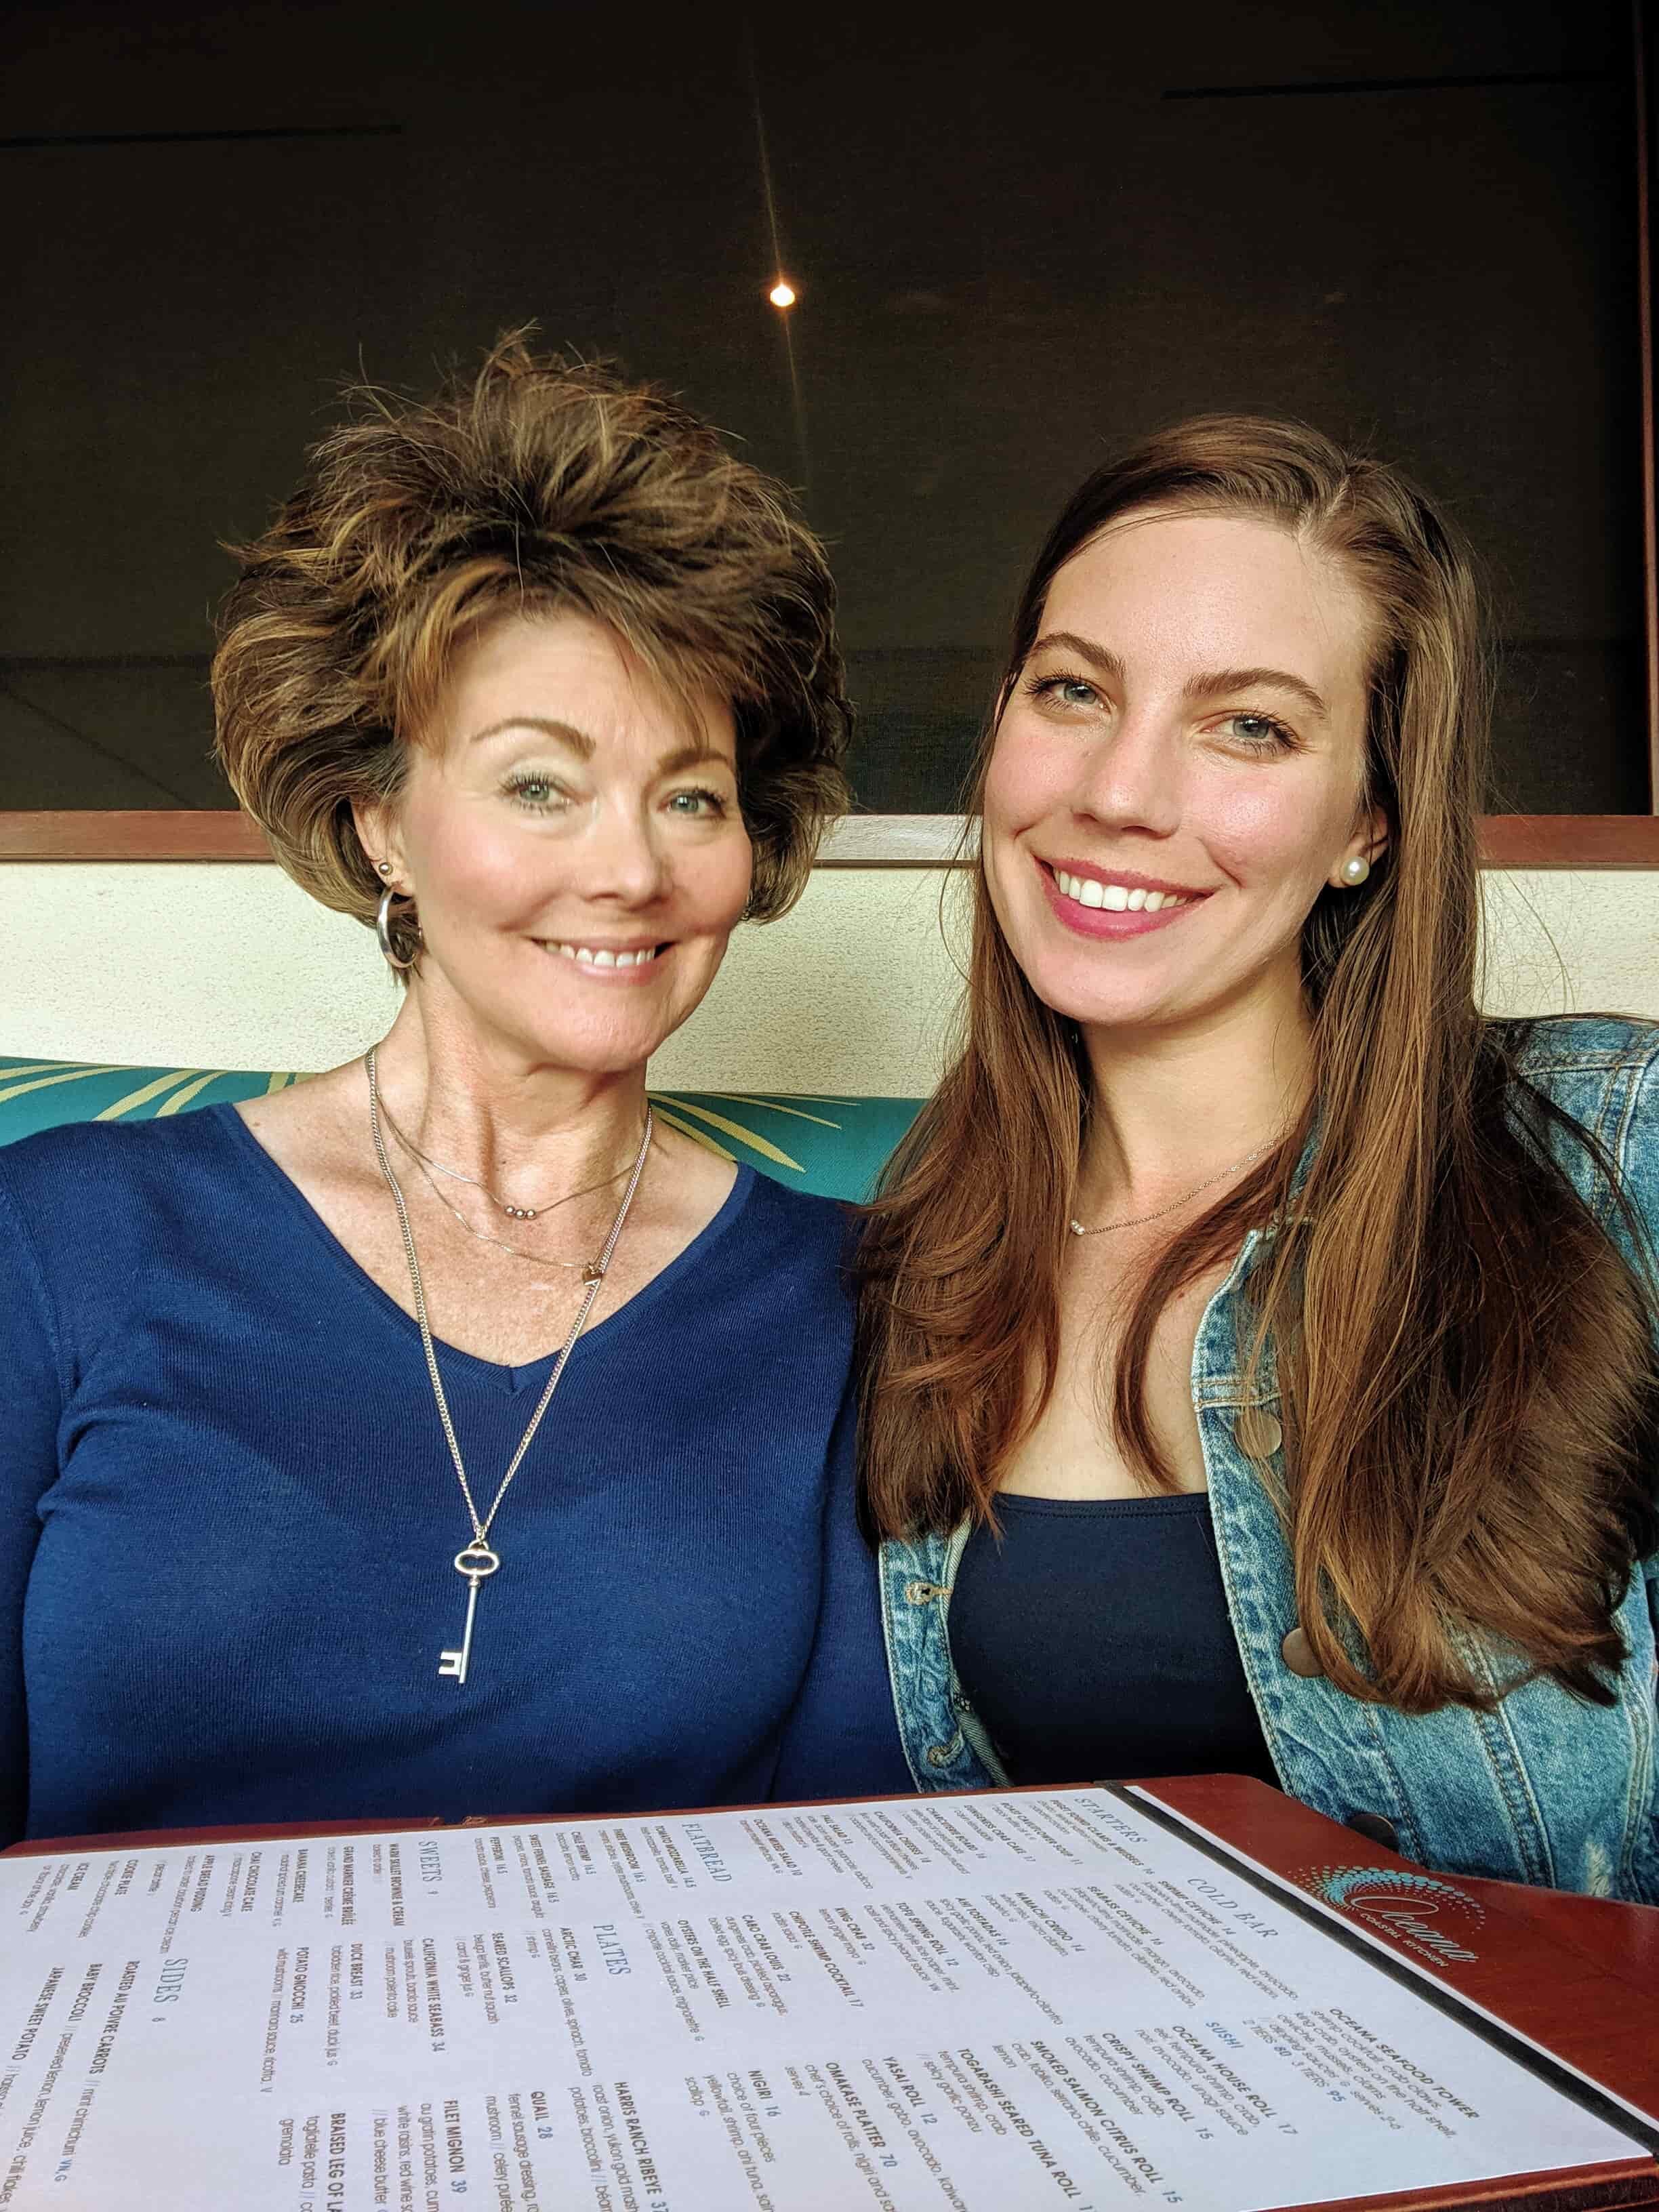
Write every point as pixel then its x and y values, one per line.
pixel 1017 245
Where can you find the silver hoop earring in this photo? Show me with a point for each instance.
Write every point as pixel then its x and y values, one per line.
pixel 383 932
pixel 1355 869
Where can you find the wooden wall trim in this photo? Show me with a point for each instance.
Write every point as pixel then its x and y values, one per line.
pixel 159 834
pixel 1570 841
pixel 863 841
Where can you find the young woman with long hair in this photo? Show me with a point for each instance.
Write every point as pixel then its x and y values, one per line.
pixel 1258 1342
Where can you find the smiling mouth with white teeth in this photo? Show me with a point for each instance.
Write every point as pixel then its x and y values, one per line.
pixel 601 956
pixel 1117 898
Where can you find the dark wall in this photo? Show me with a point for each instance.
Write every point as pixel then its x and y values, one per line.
pixel 1015 248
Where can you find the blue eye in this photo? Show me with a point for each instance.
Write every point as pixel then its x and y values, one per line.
pixel 1260 733
pixel 1066 690
pixel 537 793
pixel 695 805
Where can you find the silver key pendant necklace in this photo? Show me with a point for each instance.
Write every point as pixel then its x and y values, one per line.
pixel 477 1561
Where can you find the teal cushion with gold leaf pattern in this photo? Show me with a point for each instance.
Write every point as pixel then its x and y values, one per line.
pixel 834 1146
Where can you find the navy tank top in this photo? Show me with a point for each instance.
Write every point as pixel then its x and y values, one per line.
pixel 1093 1642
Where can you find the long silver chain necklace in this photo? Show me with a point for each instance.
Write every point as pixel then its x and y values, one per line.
pixel 501 1204
pixel 477 1561
pixel 1138 1220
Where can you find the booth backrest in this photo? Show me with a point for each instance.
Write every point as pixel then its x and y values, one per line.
pixel 835 1146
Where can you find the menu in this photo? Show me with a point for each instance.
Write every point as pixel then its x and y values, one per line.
pixel 987 2003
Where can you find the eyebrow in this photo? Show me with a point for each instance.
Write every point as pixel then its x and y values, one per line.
pixel 565 734
pixel 1222 680
pixel 1211 685
pixel 1101 658
pixel 693 756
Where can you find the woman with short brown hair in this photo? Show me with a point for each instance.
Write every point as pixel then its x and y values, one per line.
pixel 445 1434
pixel 541 485
pixel 1260 1342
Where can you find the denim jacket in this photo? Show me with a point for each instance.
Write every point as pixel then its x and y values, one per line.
pixel 1545 1788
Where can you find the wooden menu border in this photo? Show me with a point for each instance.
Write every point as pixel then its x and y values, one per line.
pixel 1435 1989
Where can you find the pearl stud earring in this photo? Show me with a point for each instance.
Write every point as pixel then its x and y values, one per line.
pixel 383 867
pixel 1355 869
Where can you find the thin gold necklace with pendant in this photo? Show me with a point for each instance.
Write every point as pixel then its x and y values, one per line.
pixel 477 1561
pixel 1139 1220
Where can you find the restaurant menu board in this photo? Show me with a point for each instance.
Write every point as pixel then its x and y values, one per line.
pixel 988 2003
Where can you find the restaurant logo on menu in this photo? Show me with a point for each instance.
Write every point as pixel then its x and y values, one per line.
pixel 1402 1905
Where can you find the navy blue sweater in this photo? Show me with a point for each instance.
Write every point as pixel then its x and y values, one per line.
pixel 227 1518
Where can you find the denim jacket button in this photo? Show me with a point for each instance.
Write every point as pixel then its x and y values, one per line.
pixel 921 1593
pixel 1258 1431
pixel 1299 1655
pixel 1374 1829
pixel 941 1754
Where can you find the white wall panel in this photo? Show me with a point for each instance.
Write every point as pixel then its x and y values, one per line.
pixel 230 966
